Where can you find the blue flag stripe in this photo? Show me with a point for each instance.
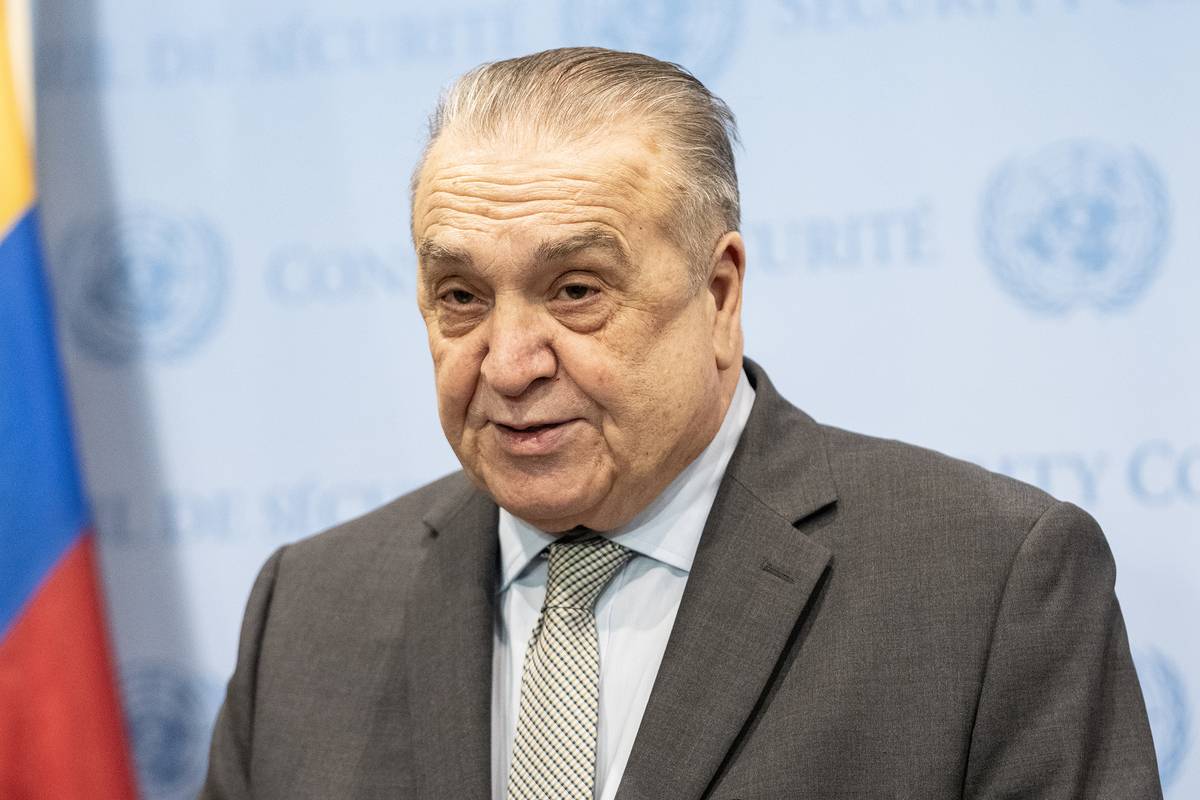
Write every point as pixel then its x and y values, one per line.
pixel 42 510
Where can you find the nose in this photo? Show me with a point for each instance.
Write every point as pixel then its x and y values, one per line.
pixel 519 352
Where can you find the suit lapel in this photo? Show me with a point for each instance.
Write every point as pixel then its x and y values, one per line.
pixel 449 651
pixel 750 582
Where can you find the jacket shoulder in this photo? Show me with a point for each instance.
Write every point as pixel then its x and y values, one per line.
pixel 910 485
pixel 396 527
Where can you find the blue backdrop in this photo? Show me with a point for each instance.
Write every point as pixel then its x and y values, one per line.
pixel 971 225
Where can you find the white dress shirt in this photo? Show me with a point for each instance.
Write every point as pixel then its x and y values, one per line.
pixel 634 614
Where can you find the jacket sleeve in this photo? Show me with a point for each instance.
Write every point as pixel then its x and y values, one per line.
pixel 1060 711
pixel 229 756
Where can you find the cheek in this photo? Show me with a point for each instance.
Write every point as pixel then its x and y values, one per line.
pixel 625 387
pixel 595 370
pixel 456 371
pixel 655 398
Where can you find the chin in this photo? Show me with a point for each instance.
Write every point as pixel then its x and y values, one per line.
pixel 551 514
pixel 550 503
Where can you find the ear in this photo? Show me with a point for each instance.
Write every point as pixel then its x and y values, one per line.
pixel 725 287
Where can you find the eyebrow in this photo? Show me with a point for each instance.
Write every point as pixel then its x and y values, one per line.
pixel 550 250
pixel 429 250
pixel 590 239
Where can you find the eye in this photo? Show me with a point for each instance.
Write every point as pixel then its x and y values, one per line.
pixel 459 297
pixel 577 291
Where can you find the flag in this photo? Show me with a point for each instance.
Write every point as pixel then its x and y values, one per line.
pixel 61 730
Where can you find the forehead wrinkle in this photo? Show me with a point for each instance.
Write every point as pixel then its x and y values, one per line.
pixel 523 171
pixel 494 188
pixel 522 192
pixel 555 211
pixel 515 183
pixel 466 191
pixel 506 201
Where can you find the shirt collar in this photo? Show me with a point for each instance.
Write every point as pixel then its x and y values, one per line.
pixel 667 530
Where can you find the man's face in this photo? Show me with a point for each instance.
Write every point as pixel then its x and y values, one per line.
pixel 577 370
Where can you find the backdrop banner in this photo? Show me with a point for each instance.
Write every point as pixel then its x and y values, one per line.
pixel 972 219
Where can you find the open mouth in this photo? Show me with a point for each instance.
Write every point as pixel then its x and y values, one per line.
pixel 540 439
pixel 529 428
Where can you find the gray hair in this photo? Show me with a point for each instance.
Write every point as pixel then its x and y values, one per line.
pixel 572 92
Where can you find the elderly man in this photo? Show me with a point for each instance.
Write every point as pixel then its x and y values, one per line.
pixel 654 577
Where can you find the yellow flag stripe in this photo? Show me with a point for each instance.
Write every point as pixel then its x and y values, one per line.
pixel 16 171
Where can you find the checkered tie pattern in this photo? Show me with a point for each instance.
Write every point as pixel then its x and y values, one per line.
pixel 554 754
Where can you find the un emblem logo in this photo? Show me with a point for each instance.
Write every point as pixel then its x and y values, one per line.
pixel 171 715
pixel 143 284
pixel 693 33
pixel 1079 223
pixel 1167 706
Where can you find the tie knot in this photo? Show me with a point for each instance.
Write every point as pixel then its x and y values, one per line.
pixel 580 569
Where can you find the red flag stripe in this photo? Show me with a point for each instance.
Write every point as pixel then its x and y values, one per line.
pixel 69 743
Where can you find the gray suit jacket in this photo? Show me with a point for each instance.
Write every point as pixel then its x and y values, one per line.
pixel 863 619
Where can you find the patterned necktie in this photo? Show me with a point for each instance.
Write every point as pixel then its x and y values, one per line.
pixel 554 754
